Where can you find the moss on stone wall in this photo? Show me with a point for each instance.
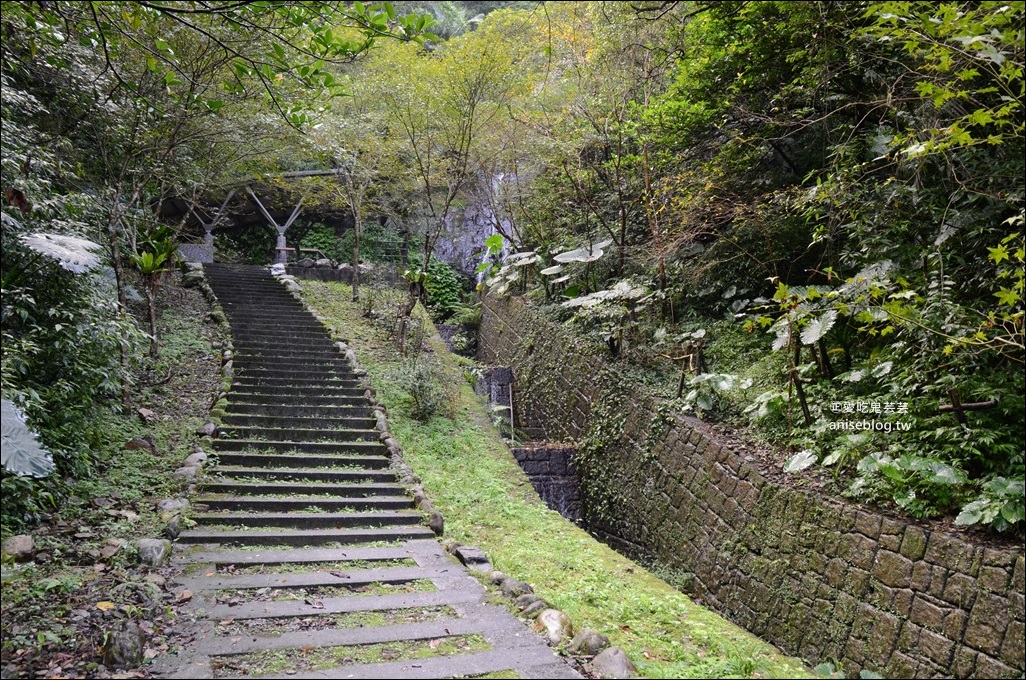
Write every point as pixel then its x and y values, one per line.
pixel 819 578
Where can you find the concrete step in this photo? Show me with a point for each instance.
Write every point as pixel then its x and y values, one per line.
pixel 322 448
pixel 279 434
pixel 308 520
pixel 297 410
pixel 307 556
pixel 273 345
pixel 257 504
pixel 352 398
pixel 324 383
pixel 308 373
pixel 228 458
pixel 300 423
pixel 292 360
pixel 305 537
pixel 226 473
pixel 302 489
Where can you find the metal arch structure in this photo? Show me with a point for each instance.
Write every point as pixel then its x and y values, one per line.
pixel 210 219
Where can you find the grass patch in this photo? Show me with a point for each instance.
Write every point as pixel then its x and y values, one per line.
pixel 487 501
pixel 277 662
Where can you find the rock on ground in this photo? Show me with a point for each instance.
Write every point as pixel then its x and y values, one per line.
pixel 613 663
pixel 153 551
pixel 20 548
pixel 555 625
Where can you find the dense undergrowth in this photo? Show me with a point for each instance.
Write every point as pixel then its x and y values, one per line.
pixel 487 501
pixel 85 579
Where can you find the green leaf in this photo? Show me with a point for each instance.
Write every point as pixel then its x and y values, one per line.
pixel 800 461
pixel 817 328
pixel 21 453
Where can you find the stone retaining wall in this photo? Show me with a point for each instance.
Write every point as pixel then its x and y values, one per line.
pixel 553 475
pixel 819 578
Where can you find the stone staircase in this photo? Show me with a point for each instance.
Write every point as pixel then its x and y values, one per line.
pixel 308 559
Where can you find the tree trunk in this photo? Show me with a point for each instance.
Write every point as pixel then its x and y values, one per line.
pixel 356 257
pixel 151 306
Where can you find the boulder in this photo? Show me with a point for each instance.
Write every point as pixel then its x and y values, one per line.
pixel 345 267
pixel 153 551
pixel 195 459
pixel 613 663
pixel 192 266
pixel 208 429
pixel 436 523
pixel 124 649
pixel 306 263
pixel 172 505
pixel 173 527
pixel 496 577
pixel 588 642
pixel 526 600
pixel 20 548
pixel 323 263
pixel 513 588
pixel 535 608
pixel 147 415
pixel 555 625
pixel 141 444
pixel 293 287
pixel 277 269
pixel 187 474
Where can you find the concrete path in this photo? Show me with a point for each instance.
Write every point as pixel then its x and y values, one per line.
pixel 308 559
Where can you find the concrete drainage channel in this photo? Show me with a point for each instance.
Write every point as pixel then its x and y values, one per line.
pixel 308 558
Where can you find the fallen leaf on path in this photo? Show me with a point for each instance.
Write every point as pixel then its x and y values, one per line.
pixel 105 606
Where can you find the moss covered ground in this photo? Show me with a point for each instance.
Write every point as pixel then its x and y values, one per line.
pixel 473 479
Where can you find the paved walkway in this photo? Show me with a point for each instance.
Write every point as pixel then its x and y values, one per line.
pixel 308 559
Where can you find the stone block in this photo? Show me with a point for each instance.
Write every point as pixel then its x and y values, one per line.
pixel 994 579
pixel 937 648
pixel 900 666
pixel 858 550
pixel 1012 651
pixel 884 635
pixel 926 614
pixel 959 590
pixel 901 602
pixel 965 661
pixel 908 638
pixel 998 558
pixel 987 623
pixel 920 581
pixel 953 625
pixel 987 667
pixel 949 552
pixel 892 569
pixel 868 524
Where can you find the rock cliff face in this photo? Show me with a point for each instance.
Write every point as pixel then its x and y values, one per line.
pixel 818 577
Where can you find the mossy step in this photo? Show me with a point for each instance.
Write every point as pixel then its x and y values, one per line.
pixel 341 605
pixel 297 422
pixel 244 503
pixel 288 434
pixel 324 448
pixel 300 489
pixel 270 460
pixel 299 410
pixel 305 537
pixel 306 373
pixel 308 520
pixel 251 399
pixel 297 474
pixel 299 556
pixel 280 382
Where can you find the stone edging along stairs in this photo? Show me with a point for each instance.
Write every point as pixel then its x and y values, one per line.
pixel 308 559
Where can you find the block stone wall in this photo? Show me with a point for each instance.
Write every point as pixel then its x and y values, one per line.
pixel 819 578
